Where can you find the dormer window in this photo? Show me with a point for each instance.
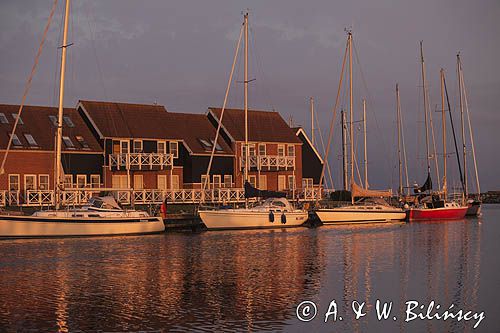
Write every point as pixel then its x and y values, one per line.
pixel 67 142
pixel 82 141
pixel 53 120
pixel 68 121
pixel 20 122
pixel 31 140
pixel 206 145
pixel 3 119
pixel 15 140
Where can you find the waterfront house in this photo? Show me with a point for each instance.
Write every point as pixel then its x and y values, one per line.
pixel 312 162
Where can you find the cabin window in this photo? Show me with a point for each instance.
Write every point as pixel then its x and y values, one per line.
pixel 281 182
pixel 161 147
pixel 137 146
pixel 291 150
pixel 68 143
pixel 3 119
pixel 30 182
pixel 307 182
pixel 31 140
pixel 138 182
pixel 217 146
pixel 162 182
pixel 20 122
pixel 252 180
pixel 262 149
pixel 15 140
pixel 81 181
pixel 291 182
pixel 68 181
pixel 262 182
pixel 43 182
pixel 53 120
pixel 13 182
pixel 68 121
pixel 217 181
pixel 228 181
pixel 95 181
pixel 175 182
pixel 281 150
pixel 174 148
pixel 82 142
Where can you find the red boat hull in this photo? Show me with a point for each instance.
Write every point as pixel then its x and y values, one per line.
pixel 444 213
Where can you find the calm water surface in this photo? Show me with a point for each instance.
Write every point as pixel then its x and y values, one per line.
pixel 253 280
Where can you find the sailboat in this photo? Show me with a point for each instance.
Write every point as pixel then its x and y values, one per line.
pixel 276 211
pixel 373 208
pixel 434 206
pixel 101 216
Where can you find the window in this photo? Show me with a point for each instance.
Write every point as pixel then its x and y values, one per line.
pixel 119 181
pixel 3 119
pixel 175 182
pixel 262 182
pixel 138 182
pixel 20 122
pixel 243 150
pixel 137 147
pixel 43 182
pixel 31 140
pixel 81 181
pixel 162 182
pixel 206 145
pixel 161 147
pixel 82 142
pixel 281 182
pixel 13 182
pixel 174 148
pixel 281 150
pixel 291 150
pixel 262 149
pixel 291 182
pixel 217 146
pixel 53 120
pixel 68 121
pixel 307 182
pixel 251 149
pixel 29 182
pixel 216 181
pixel 16 141
pixel 68 181
pixel 95 181
pixel 228 181
pixel 205 181
pixel 68 143
pixel 124 147
pixel 252 180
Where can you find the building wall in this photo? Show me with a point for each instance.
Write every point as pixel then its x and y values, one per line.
pixel 27 163
pixel 150 178
pixel 311 164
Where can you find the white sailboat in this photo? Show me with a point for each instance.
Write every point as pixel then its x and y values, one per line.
pixel 102 216
pixel 372 209
pixel 272 213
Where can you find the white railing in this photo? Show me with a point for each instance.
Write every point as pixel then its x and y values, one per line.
pixel 13 198
pixel 269 162
pixel 3 198
pixel 141 161
pixel 39 198
pixel 310 194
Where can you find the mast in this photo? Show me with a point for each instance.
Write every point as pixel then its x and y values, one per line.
pixel 445 188
pixel 366 156
pixel 425 109
pixel 464 150
pixel 400 164
pixel 246 100
pixel 344 149
pixel 311 100
pixel 351 134
pixel 58 177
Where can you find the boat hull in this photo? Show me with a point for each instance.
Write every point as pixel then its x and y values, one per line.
pixel 33 226
pixel 474 209
pixel 230 219
pixel 444 213
pixel 343 216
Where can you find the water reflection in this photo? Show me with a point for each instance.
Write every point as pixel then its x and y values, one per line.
pixel 239 281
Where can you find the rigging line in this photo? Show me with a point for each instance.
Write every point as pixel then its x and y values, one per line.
pixel 334 111
pixel 323 146
pixel 434 151
pixel 355 140
pixel 28 85
pixel 219 125
pixel 57 71
pixel 404 150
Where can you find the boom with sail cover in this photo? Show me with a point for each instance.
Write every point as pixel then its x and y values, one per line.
pixel 252 192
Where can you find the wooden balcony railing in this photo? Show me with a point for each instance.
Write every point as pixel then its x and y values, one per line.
pixel 141 161
pixel 269 162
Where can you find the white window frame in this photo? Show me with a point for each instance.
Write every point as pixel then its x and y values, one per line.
pixel 307 182
pixel 172 144
pixel 283 186
pixel 163 179
pixel 117 180
pixel 263 182
pixel 175 182
pixel 262 145
pixel 203 179
pixel 84 177
pixel 281 150
pixel 292 150
pixel 291 185
pixel 16 138
pixel 127 144
pixel 138 149
pixel 228 180
pixel 71 141
pixel 217 181
pixel 3 118
pixel 66 182
pixel 138 180
pixel 16 175
pixel 251 149
pixel 46 184
pixel 252 179
pixel 159 144
pixel 34 181
pixel 93 182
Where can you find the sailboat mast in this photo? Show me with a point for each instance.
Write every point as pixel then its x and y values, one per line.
pixel 445 188
pixel 366 154
pixel 61 107
pixel 425 109
pixel 246 100
pixel 464 150
pixel 400 164
pixel 351 133
pixel 344 149
pixel 311 100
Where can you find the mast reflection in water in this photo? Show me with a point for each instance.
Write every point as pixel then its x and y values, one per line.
pixel 251 280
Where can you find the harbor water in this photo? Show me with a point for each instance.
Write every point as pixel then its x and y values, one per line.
pixel 255 280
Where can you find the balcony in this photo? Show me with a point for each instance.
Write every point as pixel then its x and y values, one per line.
pixel 141 161
pixel 269 162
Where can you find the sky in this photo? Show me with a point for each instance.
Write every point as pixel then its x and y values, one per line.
pixel 179 54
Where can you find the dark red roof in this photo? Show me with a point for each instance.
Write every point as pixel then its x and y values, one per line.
pixel 36 121
pixel 263 126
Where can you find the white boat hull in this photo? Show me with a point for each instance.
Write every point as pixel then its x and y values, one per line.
pixel 238 219
pixel 34 226
pixel 347 215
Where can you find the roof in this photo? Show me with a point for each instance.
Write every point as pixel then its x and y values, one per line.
pixel 124 120
pixel 263 126
pixel 36 121
pixel 298 131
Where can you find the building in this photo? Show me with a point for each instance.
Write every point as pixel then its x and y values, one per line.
pixel 312 162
